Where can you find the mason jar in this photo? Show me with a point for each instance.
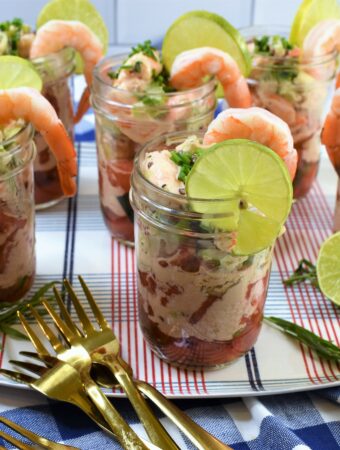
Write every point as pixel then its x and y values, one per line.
pixel 55 70
pixel 200 306
pixel 296 91
pixel 17 241
pixel 124 124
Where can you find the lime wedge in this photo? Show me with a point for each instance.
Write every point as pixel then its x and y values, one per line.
pixel 18 72
pixel 205 29
pixel 257 184
pixel 311 12
pixel 328 268
pixel 81 10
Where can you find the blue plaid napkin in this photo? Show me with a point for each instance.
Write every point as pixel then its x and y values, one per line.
pixel 282 422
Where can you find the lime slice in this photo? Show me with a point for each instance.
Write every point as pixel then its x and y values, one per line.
pixel 18 72
pixel 309 14
pixel 257 184
pixel 81 10
pixel 328 268
pixel 204 29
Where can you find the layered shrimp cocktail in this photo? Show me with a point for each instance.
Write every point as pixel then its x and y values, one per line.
pixel 135 99
pixel 17 255
pixel 51 50
pixel 19 109
pixel 293 82
pixel 208 210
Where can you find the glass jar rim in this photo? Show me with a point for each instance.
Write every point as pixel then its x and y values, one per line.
pixel 107 61
pixel 265 29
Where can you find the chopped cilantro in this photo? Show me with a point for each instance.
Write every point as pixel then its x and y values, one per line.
pixel 185 160
pixel 14 30
pixel 272 45
pixel 146 48
pixel 113 75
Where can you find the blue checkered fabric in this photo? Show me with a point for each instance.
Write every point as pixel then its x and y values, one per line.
pixel 299 421
pixel 283 422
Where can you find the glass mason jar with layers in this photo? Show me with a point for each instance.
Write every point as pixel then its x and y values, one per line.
pixel 17 241
pixel 124 123
pixel 199 304
pixel 55 70
pixel 296 91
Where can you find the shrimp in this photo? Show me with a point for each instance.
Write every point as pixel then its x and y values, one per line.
pixel 322 39
pixel 258 125
pixel 55 35
pixel 28 104
pixel 190 67
pixel 330 135
pixel 138 71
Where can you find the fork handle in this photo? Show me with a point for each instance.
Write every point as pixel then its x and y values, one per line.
pixel 198 436
pixel 155 430
pixel 123 432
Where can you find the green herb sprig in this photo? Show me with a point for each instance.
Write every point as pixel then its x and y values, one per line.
pixel 322 347
pixel 185 160
pixel 13 30
pixel 146 48
pixel 306 271
pixel 8 311
pixel 272 45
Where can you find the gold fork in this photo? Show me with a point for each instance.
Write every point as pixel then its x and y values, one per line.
pixel 103 347
pixel 68 388
pixel 62 381
pixel 97 345
pixel 35 438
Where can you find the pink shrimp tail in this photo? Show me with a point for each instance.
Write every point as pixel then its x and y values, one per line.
pixel 291 161
pixel 238 94
pixel 83 105
pixel 330 137
pixel 55 35
pixel 337 82
pixel 66 161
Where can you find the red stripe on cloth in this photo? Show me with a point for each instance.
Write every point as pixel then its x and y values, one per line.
pixel 278 250
pixel 170 379
pixel 145 361
pixel 203 382
pixel 112 282
pixel 315 243
pixel 322 200
pixel 300 321
pixel 187 381
pixel 305 252
pixel 179 381
pixel 327 209
pixel 196 383
pixel 118 246
pixel 161 364
pixel 135 314
pixel 153 370
pixel 113 288
pixel 128 324
pixel 325 302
